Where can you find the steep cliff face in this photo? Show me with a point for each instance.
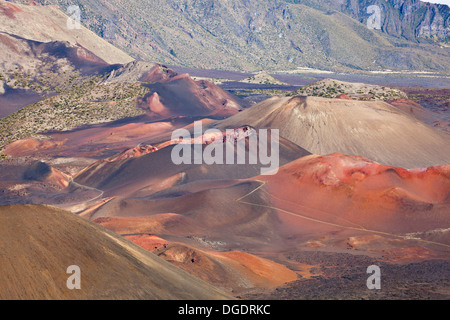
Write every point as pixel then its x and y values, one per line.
pixel 410 19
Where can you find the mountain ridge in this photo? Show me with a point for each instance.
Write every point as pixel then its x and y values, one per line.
pixel 273 34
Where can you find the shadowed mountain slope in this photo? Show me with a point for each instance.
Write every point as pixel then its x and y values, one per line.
pixel 47 24
pixel 271 34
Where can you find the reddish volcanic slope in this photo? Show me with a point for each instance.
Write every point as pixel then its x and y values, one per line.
pixel 412 108
pixel 356 193
pixel 174 95
pixel 34 181
pixel 98 141
pixel 182 96
pixel 29 146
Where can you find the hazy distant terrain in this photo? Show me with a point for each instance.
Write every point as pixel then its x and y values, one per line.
pixel 273 34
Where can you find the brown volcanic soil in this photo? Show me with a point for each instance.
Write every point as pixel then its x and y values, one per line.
pixel 30 146
pixel 375 130
pixel 13 100
pixel 233 271
pixel 430 98
pixel 413 108
pixel 182 96
pixel 327 218
pixel 130 175
pixel 209 211
pixel 359 194
pixel 343 276
pixel 40 171
pixel 438 119
pixel 167 223
pixel 175 95
pixel 332 204
pixel 97 141
pixel 38 243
